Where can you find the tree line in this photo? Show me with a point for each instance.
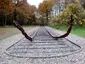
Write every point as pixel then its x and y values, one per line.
pixel 75 8
pixel 27 14
pixel 24 12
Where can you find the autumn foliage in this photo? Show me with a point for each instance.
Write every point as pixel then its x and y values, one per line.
pixel 6 5
pixel 24 12
pixel 72 9
pixel 45 9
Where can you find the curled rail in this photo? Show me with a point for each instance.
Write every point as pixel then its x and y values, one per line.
pixel 69 29
pixel 16 24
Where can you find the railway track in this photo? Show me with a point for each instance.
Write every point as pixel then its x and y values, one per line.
pixel 43 45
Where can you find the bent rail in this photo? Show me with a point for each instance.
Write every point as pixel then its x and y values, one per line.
pixel 16 24
pixel 69 29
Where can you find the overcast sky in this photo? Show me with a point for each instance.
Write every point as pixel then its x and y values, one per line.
pixel 35 2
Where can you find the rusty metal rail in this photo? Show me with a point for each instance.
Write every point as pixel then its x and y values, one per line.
pixel 43 45
pixel 31 38
pixel 50 31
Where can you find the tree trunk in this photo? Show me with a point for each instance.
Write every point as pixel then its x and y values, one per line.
pixel 5 21
pixel 47 18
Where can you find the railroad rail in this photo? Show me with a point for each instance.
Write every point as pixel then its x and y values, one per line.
pixel 43 45
pixel 16 24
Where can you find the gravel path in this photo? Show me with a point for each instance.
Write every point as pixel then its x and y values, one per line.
pixel 42 46
pixel 76 58
pixel 7 32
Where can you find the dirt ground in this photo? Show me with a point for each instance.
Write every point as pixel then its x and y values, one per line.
pixel 7 32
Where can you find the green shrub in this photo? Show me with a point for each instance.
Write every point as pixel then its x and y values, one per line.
pixel 72 9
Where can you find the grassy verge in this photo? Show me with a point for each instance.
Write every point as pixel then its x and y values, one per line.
pixel 77 30
pixel 8 31
pixel 12 26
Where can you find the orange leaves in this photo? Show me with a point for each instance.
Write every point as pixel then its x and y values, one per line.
pixel 45 6
pixel 6 5
pixel 26 9
pixel 45 9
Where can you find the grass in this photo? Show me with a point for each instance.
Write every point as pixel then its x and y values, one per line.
pixel 11 30
pixel 12 26
pixel 77 30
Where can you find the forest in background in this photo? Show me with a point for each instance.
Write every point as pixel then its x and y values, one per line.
pixel 49 12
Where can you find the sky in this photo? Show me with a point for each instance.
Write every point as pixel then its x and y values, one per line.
pixel 35 2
